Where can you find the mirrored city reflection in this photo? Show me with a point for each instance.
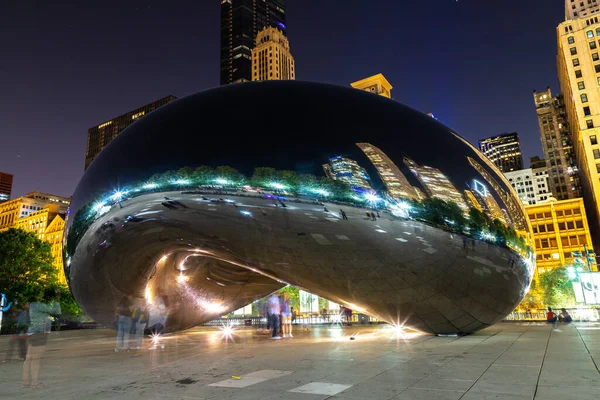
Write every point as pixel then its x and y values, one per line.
pixel 428 237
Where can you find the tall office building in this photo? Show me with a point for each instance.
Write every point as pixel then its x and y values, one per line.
pixel 486 201
pixel 436 184
pixel 504 151
pixel 558 145
pixel 376 84
pixel 531 184
pixel 6 181
pixel 579 76
pixel 561 234
pixel 580 8
pixel 394 180
pixel 271 58
pixel 348 171
pixel 241 20
pixel 99 136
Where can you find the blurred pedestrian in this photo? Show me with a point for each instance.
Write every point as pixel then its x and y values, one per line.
pixel 123 321
pixel 343 214
pixel 40 325
pixel 286 315
pixel 275 311
pixel 20 337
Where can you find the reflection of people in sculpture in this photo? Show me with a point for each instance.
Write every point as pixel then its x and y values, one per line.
pixel 40 316
pixel 140 319
pixel 158 320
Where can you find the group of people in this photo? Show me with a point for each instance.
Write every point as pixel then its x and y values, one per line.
pixel 554 319
pixel 133 316
pixel 279 316
pixel 33 324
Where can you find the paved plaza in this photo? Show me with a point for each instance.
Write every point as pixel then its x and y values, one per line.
pixel 505 361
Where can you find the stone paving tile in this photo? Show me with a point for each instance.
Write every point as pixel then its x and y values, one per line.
pixel 501 362
pixel 423 394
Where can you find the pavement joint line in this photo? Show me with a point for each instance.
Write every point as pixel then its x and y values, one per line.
pixel 496 359
pixel 537 383
pixel 586 348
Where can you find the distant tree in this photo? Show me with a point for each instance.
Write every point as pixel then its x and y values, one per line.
pixel 289 179
pixel 230 174
pixel 204 175
pixel 294 294
pixel 557 288
pixel 185 173
pixel 262 176
pixel 307 182
pixel 26 266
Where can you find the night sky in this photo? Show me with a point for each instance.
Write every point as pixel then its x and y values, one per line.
pixel 65 67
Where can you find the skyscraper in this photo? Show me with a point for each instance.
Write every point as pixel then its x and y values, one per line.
pixel 6 181
pixel 394 180
pixel 503 150
pixel 99 136
pixel 348 170
pixel 241 20
pixel 489 205
pixel 580 9
pixel 558 145
pixel 531 184
pixel 376 84
pixel 271 58
pixel 436 184
pixel 579 76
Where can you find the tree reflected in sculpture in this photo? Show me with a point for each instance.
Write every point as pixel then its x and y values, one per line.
pixel 345 194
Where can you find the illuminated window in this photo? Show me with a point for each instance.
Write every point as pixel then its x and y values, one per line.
pixel 596 153
pixel 590 34
pixel 592 45
pixel 584 98
pixel 576 62
pixel 593 140
pixel 589 123
pixel 571 39
pixel 595 57
pixel 580 85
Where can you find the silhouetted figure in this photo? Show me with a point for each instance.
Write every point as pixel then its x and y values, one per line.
pixel 39 327
pixel 377 211
pixel 275 311
pixel 373 218
pixel 124 321
pixel 343 214
pixel 325 209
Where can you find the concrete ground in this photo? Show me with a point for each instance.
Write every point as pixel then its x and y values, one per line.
pixel 505 361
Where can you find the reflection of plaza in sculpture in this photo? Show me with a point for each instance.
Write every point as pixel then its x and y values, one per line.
pixel 212 228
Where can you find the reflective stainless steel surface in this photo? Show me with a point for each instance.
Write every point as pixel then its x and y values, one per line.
pixel 427 240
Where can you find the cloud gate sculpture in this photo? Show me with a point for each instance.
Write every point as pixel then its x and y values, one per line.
pixel 220 198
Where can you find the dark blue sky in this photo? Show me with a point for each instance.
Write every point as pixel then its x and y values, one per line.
pixel 66 67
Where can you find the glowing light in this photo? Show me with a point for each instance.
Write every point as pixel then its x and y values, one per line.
pixel 150 186
pixel 118 195
pixel 98 206
pixel 246 213
pixel 336 318
pixel 214 308
pixel 181 182
pixel 321 192
pixel 163 258
pixel 372 198
pixel 222 181
pixel 277 185
pixel 182 279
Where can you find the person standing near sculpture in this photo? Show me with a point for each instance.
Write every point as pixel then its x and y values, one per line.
pixel 275 311
pixel 123 320
pixel 40 325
